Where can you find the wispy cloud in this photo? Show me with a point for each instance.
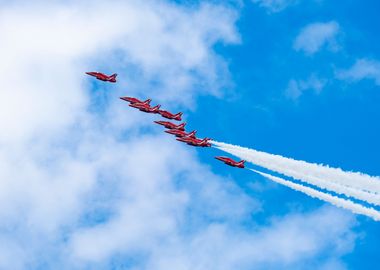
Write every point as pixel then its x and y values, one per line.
pixel 275 5
pixel 282 242
pixel 362 69
pixel 316 35
pixel 296 88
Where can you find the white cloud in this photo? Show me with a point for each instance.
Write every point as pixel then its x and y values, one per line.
pixel 278 246
pixel 314 36
pixel 297 87
pixel 81 187
pixel 362 69
pixel 153 47
pixel 275 5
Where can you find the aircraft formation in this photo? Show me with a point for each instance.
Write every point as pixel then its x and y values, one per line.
pixel 365 189
pixel 178 130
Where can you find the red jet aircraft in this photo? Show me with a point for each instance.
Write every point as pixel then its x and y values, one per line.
pixel 195 141
pixel 133 100
pixel 171 116
pixel 170 125
pixel 181 134
pixel 145 107
pixel 103 77
pixel 231 162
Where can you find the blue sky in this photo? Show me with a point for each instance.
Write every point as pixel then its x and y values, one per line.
pixel 92 184
pixel 338 126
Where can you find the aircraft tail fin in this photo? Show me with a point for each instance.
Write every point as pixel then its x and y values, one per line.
pixel 178 116
pixel 241 162
pixel 147 101
pixel 192 134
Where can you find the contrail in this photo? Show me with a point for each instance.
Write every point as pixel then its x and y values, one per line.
pixel 358 185
pixel 339 202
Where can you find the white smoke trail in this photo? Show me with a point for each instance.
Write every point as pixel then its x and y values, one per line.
pixel 357 185
pixel 339 202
